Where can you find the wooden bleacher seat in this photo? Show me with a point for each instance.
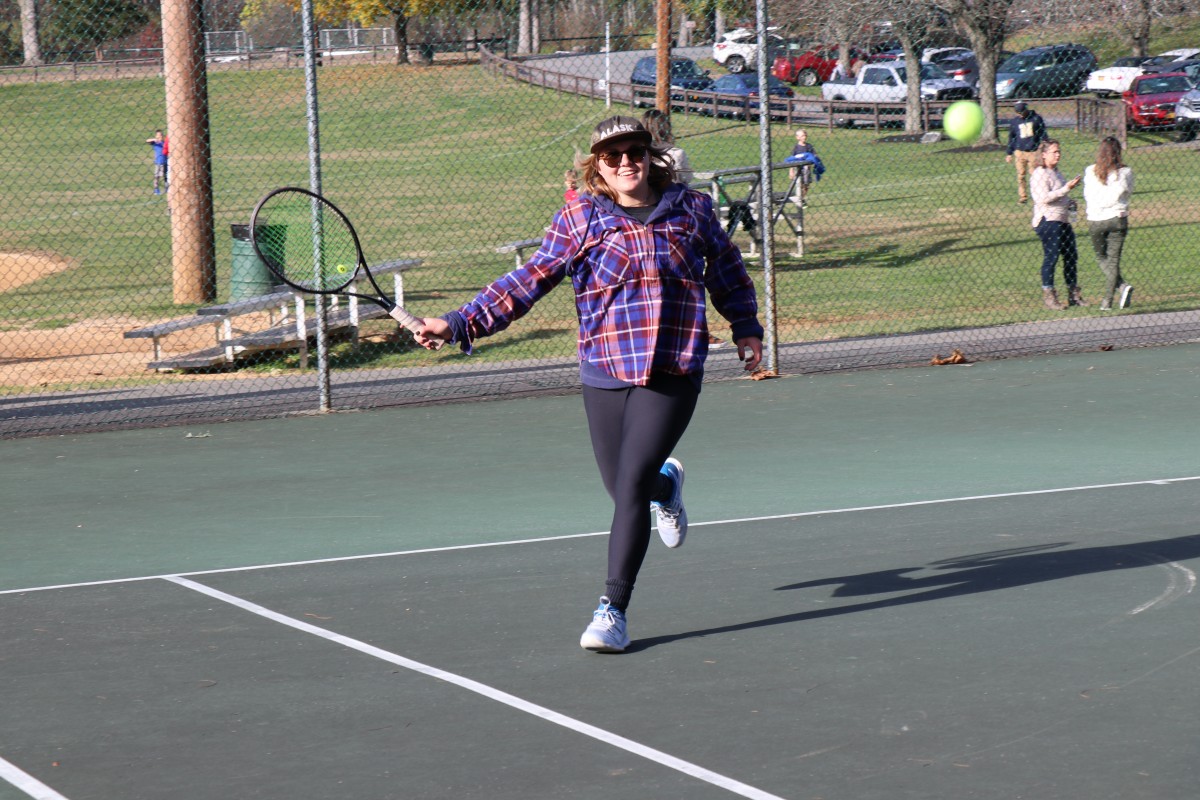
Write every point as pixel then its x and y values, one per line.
pixel 519 248
pixel 289 324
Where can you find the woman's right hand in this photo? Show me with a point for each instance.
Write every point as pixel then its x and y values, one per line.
pixel 434 333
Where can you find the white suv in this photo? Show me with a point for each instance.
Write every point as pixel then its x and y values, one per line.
pixel 1187 116
pixel 737 50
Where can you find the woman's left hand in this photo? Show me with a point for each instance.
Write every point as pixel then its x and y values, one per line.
pixel 750 351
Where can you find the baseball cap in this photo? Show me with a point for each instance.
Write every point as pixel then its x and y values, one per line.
pixel 614 128
pixel 1019 106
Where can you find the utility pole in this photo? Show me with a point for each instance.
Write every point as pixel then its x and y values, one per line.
pixel 189 192
pixel 662 95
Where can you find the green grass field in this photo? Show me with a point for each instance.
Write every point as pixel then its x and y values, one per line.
pixel 448 163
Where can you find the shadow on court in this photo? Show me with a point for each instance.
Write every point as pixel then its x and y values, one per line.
pixel 974 582
pixel 967 575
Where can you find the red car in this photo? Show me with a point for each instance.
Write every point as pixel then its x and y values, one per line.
pixel 1150 100
pixel 811 68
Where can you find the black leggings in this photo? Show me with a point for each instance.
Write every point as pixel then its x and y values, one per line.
pixel 633 431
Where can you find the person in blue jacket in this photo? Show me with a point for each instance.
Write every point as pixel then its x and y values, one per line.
pixel 810 168
pixel 161 153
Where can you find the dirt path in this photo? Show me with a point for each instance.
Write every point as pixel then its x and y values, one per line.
pixel 85 351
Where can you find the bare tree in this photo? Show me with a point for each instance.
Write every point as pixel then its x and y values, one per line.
pixel 1132 19
pixel 985 24
pixel 912 22
pixel 29 33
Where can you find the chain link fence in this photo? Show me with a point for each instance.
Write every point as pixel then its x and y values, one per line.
pixel 129 293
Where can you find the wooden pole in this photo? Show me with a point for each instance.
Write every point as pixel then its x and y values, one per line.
pixel 189 193
pixel 662 94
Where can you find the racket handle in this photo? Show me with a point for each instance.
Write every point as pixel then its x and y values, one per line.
pixel 409 321
pixel 404 318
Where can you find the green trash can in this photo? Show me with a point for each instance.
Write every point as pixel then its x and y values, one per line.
pixel 250 275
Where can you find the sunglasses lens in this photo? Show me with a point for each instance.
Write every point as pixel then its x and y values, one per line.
pixel 613 160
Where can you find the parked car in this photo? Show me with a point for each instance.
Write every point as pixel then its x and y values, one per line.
pixel 1151 99
pixel 813 67
pixel 1183 53
pixel 685 75
pixel 1187 116
pixel 746 85
pixel 1116 79
pixel 964 67
pixel 1190 67
pixel 1056 70
pixel 737 50
pixel 936 55
pixel 885 82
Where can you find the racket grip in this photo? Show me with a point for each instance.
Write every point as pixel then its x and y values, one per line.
pixel 409 321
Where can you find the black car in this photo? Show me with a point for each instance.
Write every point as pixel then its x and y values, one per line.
pixel 1188 66
pixel 685 75
pixel 1055 70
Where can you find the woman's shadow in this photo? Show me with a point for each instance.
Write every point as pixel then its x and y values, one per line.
pixel 982 572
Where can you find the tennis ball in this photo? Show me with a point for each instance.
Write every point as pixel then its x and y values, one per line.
pixel 342 269
pixel 963 121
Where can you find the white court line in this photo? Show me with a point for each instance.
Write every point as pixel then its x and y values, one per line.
pixel 27 783
pixel 491 693
pixel 565 537
pixel 1175 588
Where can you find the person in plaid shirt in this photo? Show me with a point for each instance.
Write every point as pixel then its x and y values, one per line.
pixel 642 252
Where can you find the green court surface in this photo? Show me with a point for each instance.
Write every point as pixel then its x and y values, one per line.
pixel 947 582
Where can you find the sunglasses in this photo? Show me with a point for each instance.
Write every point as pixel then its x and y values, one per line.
pixel 635 153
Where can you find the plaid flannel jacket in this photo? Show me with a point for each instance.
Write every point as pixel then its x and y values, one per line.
pixel 639 288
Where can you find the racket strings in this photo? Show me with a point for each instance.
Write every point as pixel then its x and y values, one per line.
pixel 306 242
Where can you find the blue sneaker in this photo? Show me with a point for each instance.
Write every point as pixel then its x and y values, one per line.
pixel 672 518
pixel 607 633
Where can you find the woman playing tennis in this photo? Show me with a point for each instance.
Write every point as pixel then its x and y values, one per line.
pixel 641 250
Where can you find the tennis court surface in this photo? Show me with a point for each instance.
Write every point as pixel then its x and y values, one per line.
pixel 945 582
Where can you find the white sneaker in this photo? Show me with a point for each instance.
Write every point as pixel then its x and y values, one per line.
pixel 1126 296
pixel 606 633
pixel 672 517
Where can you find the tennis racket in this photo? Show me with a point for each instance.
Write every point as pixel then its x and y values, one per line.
pixel 309 244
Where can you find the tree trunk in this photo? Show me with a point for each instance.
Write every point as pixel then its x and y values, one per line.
pixel 986 56
pixel 29 33
pixel 535 26
pixel 912 81
pixel 524 17
pixel 1139 28
pixel 983 22
pixel 400 28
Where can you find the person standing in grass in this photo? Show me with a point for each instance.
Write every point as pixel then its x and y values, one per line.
pixel 1052 210
pixel 1107 185
pixel 642 253
pixel 1026 132
pixel 161 153
pixel 805 153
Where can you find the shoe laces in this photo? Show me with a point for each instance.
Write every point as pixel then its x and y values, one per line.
pixel 607 616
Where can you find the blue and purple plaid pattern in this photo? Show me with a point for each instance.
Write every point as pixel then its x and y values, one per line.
pixel 639 289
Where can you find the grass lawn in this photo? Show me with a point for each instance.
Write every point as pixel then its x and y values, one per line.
pixel 448 163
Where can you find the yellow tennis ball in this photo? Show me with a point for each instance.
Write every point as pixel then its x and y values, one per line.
pixel 963 121
pixel 342 269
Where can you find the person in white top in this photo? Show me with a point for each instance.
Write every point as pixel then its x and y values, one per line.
pixel 1107 185
pixel 659 125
